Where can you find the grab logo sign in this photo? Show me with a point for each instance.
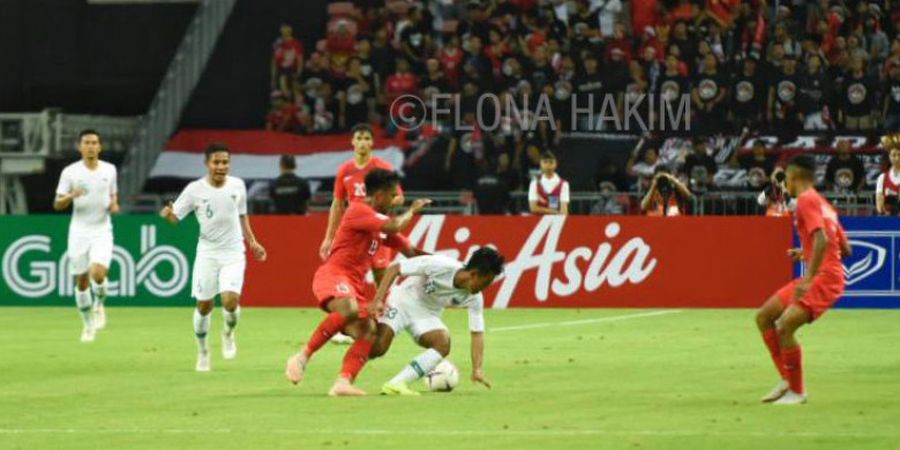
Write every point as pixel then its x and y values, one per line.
pixel 31 270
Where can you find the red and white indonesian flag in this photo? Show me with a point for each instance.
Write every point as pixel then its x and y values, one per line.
pixel 255 154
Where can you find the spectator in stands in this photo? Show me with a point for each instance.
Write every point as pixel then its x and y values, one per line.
pixel 748 96
pixel 758 158
pixel 783 107
pixel 289 193
pixel 466 151
pixel 491 191
pixel 858 99
pixel 415 40
pixel 286 117
pixel 887 186
pixel 708 96
pixel 667 195
pixel 328 112
pixel 699 167
pixel 643 164
pixel 816 96
pixel 548 193
pixel 891 108
pixel 609 13
pixel 354 91
pixel 845 171
pixel 287 61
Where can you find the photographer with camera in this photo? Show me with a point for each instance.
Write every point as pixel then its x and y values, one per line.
pixel 774 197
pixel 887 190
pixel 667 195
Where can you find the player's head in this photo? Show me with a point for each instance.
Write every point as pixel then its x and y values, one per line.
pixel 801 174
pixel 89 144
pixel 548 163
pixel 218 161
pixel 287 163
pixel 363 138
pixel 483 266
pixel 382 187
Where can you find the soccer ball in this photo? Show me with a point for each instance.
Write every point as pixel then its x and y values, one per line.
pixel 443 378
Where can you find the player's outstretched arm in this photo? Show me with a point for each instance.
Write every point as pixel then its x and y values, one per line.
pixel 398 223
pixel 376 306
pixel 168 213
pixel 258 250
pixel 478 359
pixel 334 219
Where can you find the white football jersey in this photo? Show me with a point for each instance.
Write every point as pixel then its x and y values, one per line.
pixel 430 282
pixel 90 211
pixel 218 211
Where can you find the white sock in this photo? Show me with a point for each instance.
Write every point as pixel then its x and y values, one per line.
pixel 99 290
pixel 231 318
pixel 83 302
pixel 418 367
pixel 201 328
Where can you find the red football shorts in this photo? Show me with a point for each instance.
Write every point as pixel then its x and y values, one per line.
pixel 823 292
pixel 383 257
pixel 329 284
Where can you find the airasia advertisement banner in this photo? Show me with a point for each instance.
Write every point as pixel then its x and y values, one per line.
pixel 566 262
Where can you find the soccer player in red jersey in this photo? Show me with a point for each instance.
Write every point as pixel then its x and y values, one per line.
pixel 805 299
pixel 339 283
pixel 349 187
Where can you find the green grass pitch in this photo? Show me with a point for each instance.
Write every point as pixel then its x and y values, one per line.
pixel 596 379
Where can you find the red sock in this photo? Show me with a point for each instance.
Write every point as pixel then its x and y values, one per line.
pixel 793 367
pixel 355 358
pixel 770 337
pixel 333 323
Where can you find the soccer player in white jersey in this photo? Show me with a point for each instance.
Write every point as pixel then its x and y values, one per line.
pixel 90 186
pixel 220 203
pixel 433 282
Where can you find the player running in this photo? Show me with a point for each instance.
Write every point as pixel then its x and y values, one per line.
pixel 434 282
pixel 220 203
pixel 339 283
pixel 349 187
pixel 805 299
pixel 89 185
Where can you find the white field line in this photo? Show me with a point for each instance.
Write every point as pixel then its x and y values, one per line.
pixel 570 323
pixel 438 432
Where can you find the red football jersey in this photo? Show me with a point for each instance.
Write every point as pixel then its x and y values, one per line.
pixel 815 213
pixel 358 239
pixel 350 181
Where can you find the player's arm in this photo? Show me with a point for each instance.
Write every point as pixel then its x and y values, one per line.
pixel 476 327
pixel 168 213
pixel 335 213
pixel 398 223
pixel 65 193
pixel 820 242
pixel 114 194
pixel 376 306
pixel 258 250
pixel 183 205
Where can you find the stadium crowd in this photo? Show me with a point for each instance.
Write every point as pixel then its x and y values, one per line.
pixel 779 67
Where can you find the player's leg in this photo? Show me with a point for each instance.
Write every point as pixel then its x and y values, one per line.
pixel 363 332
pixel 100 253
pixel 79 264
pixel 766 321
pixel 99 287
pixel 432 335
pixel 204 288
pixel 794 317
pixel 341 312
pixel 231 281
pixel 384 337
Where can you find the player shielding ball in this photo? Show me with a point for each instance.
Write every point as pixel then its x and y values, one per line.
pixel 220 203
pixel 349 187
pixel 339 284
pixel 805 299
pixel 433 283
pixel 90 186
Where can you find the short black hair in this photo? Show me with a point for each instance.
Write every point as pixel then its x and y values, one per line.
pixel 216 147
pixel 380 179
pixel 364 127
pixel 547 155
pixel 486 261
pixel 89 131
pixel 806 163
pixel 288 162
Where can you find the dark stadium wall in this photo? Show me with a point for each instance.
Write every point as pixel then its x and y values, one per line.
pixel 234 89
pixel 86 58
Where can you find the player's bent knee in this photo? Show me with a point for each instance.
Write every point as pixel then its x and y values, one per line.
pixel 205 306
pixel 230 300
pixel 98 273
pixel 82 281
